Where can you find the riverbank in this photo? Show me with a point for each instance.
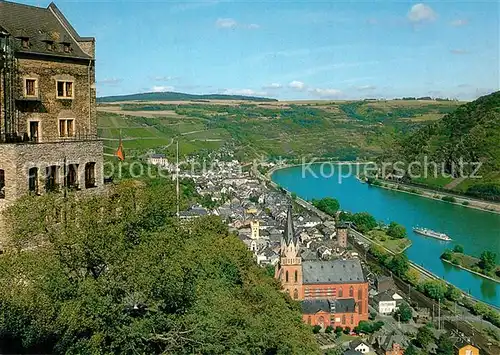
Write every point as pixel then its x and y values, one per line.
pixel 460 200
pixel 470 264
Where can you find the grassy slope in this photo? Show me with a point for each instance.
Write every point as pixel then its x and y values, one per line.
pixel 342 130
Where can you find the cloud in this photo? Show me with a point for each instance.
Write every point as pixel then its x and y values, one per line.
pixel 366 87
pixel 326 93
pixel 459 51
pixel 110 81
pixel 272 86
pixel 420 13
pixel 164 78
pixel 226 23
pixel 297 85
pixel 244 92
pixel 459 22
pixel 162 88
pixel 253 26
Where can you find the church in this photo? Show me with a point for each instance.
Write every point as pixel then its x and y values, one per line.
pixel 332 293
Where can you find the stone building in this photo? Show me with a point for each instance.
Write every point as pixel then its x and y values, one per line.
pixel 333 292
pixel 48 125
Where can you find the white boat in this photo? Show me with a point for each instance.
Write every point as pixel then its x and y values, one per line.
pixel 430 233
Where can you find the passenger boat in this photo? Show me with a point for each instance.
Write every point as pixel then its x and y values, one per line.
pixel 430 233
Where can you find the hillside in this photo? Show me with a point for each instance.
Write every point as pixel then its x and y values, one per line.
pixel 469 134
pixel 178 96
pixel 344 130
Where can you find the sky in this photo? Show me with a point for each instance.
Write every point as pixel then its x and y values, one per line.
pixel 293 49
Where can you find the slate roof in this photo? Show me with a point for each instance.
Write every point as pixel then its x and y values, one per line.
pixel 40 25
pixel 325 305
pixel 351 352
pixel 332 272
pixel 357 342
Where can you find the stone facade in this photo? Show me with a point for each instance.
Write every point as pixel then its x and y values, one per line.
pixel 48 124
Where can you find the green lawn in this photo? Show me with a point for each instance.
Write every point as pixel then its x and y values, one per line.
pixel 439 181
pixel 395 245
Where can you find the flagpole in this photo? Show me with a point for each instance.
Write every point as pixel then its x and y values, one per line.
pixel 177 178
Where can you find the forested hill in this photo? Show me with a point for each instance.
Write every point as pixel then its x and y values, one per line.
pixel 179 96
pixel 470 133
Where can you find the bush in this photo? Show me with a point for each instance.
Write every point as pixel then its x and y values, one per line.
pixel 338 331
pixel 449 199
pixel 329 329
pixel 316 329
pixel 465 203
pixel 447 255
pixel 458 249
pixel 347 330
pixel 372 315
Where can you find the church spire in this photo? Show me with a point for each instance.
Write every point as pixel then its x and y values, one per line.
pixel 289 233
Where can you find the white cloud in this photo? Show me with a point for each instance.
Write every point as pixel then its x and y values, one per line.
pixel 297 85
pixel 164 78
pixel 459 51
pixel 226 23
pixel 162 88
pixel 273 86
pixel 366 87
pixel 253 26
pixel 326 93
pixel 421 13
pixel 459 22
pixel 110 81
pixel 244 92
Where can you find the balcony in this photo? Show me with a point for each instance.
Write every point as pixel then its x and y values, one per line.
pixel 24 138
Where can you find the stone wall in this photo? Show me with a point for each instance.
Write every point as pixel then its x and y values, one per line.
pixel 50 108
pixel 17 159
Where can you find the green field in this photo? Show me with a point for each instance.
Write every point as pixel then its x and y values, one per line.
pixel 346 130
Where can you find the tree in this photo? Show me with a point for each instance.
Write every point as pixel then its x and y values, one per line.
pixel 347 330
pixel 316 329
pixel 328 205
pixel 458 249
pixel 338 331
pixel 293 195
pixel 424 337
pixel 445 345
pixel 487 260
pixel 399 264
pixel 118 274
pixel 411 350
pixel 435 289
pixel 447 255
pixel 396 231
pixel 404 313
pixel 453 293
pixel 364 221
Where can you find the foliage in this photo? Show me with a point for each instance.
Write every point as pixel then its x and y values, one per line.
pixel 458 248
pixel 445 345
pixel 117 274
pixel 396 231
pixel 176 96
pixel 316 329
pixel 347 330
pixel 424 337
pixel 487 260
pixel 435 289
pixel 368 327
pixel 338 330
pixel 449 199
pixel 328 205
pixel 363 221
pixel 399 264
pixel 447 255
pixel 453 293
pixel 404 312
pixel 329 329
pixel 412 350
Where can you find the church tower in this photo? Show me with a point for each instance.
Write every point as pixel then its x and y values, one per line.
pixel 289 269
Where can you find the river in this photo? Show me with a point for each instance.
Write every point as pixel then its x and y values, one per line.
pixel 476 230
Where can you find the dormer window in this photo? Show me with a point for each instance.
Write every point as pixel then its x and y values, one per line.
pixel 67 47
pixel 25 43
pixel 50 46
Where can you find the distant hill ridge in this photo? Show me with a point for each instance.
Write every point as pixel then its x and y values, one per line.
pixel 178 96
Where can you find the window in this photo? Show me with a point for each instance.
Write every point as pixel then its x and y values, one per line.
pixel 2 184
pixel 51 178
pixel 352 319
pixel 90 182
pixel 286 276
pixel 341 293
pixel 343 319
pixel 33 180
pixel 31 87
pixel 351 291
pixel 67 48
pixel 66 127
pixel 360 294
pixel 25 42
pixel 296 276
pixel 34 131
pixel 72 176
pixel 65 89
pixel 295 294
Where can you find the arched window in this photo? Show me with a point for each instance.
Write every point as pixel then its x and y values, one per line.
pixel 33 180
pixel 351 291
pixel 309 320
pixel 295 294
pixel 90 180
pixel 296 276
pixel 352 319
pixel 343 319
pixel 341 292
pixel 360 294
pixel 321 322
pixel 2 184
pixel 286 276
pixel 360 308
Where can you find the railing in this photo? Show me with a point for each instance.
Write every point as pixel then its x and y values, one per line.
pixel 25 138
